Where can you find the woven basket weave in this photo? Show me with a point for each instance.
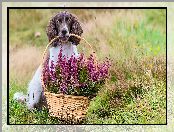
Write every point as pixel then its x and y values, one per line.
pixel 67 107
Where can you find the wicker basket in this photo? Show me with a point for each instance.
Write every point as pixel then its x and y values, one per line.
pixel 67 107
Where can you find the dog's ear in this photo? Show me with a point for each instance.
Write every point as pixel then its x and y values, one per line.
pixel 51 29
pixel 75 29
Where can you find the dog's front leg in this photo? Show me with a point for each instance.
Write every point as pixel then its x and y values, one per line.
pixel 35 89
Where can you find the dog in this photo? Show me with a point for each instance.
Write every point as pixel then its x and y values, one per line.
pixel 62 24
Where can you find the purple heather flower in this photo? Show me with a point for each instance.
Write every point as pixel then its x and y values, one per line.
pixel 74 72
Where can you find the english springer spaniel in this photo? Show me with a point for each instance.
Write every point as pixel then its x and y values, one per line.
pixel 62 24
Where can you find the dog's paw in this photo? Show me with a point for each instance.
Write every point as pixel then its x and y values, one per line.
pixel 20 97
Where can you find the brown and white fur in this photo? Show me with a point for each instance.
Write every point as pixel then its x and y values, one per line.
pixel 62 24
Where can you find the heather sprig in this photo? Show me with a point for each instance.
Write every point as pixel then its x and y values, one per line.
pixel 75 76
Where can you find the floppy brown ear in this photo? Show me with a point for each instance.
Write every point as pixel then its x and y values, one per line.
pixel 75 29
pixel 51 29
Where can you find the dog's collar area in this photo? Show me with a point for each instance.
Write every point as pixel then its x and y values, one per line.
pixel 55 44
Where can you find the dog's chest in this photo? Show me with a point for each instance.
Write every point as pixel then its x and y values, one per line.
pixel 67 51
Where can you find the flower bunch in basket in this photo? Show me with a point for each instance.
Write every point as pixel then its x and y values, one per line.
pixel 75 76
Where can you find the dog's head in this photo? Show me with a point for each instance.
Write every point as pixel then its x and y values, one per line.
pixel 63 24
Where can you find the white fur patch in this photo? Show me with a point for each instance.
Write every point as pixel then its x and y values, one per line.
pixel 19 96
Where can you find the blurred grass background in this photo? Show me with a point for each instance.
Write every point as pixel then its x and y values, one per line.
pixel 135 40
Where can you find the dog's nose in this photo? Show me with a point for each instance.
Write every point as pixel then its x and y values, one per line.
pixel 64 32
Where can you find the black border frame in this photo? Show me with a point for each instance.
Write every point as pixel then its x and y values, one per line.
pixel 8 8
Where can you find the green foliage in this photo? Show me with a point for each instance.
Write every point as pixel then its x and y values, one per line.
pixel 83 75
pixel 132 110
pixel 156 18
pixel 146 39
pixel 99 108
pixel 19 114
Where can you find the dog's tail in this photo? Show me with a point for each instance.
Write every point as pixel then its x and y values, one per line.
pixel 20 97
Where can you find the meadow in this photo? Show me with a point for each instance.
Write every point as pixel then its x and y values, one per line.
pixel 135 41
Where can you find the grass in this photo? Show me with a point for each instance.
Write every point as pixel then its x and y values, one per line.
pixel 135 40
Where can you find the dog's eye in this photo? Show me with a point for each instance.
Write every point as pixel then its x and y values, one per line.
pixel 66 18
pixel 60 20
